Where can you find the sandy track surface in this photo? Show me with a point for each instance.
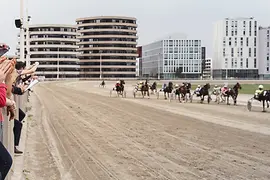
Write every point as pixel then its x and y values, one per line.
pixel 78 132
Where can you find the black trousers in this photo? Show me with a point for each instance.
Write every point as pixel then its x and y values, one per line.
pixel 17 130
pixel 5 162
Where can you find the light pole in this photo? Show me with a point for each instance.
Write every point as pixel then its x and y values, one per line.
pixel 100 64
pixel 159 58
pixel 22 31
pixel 27 39
pixel 58 63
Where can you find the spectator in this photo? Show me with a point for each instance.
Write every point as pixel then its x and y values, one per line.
pixel 19 90
pixel 5 158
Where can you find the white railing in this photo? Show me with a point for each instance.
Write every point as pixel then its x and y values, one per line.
pixel 8 136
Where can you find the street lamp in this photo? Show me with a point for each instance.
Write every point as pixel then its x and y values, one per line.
pixel 58 63
pixel 159 58
pixel 100 64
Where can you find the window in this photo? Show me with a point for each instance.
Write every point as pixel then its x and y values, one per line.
pixel 232 33
pixel 235 33
pixel 255 41
pixel 170 42
pixel 268 31
pixel 232 52
pixel 241 63
pixel 230 43
pixel 267 58
pixel 249 52
pixel 224 52
pixel 255 33
pixel 267 69
pixel 255 63
pixel 244 33
pixel 247 63
pixel 232 63
pixel 165 56
pixel 226 63
pixel 255 52
pixel 247 41
pixel 267 44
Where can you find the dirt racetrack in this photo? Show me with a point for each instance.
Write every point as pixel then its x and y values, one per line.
pixel 78 132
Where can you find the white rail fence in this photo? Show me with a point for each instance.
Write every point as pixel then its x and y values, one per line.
pixel 8 136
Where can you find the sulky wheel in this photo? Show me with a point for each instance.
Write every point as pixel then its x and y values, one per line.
pixel 110 93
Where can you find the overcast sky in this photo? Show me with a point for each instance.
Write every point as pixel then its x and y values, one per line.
pixel 156 18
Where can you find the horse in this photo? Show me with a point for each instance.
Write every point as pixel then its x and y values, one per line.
pixel 102 84
pixel 233 92
pixel 145 89
pixel 153 88
pixel 204 91
pixel 188 88
pixel 120 88
pixel 264 97
pixel 168 90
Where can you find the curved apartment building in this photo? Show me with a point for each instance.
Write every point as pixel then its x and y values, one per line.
pixel 55 48
pixel 107 46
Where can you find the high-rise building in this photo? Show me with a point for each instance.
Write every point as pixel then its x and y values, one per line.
pixel 172 58
pixel 236 48
pixel 107 47
pixel 54 47
pixel 264 52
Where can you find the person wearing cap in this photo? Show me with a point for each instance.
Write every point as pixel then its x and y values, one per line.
pixel 197 90
pixel 258 92
pixel 224 89
pixel 117 83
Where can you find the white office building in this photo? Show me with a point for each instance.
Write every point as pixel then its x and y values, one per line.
pixel 235 48
pixel 264 51
pixel 207 72
pixel 172 58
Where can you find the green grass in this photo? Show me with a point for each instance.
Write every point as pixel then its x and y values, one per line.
pixel 246 88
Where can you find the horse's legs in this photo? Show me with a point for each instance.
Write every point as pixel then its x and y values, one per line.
pixel 235 99
pixel 228 99
pixel 202 98
pixel 263 105
pixel 165 97
pixel 267 104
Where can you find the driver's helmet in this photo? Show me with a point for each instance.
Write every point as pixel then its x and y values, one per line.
pixel 198 86
pixel 176 85
pixel 141 82
pixel 260 87
pixel 216 86
pixel 118 82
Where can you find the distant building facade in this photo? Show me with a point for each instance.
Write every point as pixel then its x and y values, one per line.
pixel 107 46
pixel 172 58
pixel 54 47
pixel 207 71
pixel 236 49
pixel 264 52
